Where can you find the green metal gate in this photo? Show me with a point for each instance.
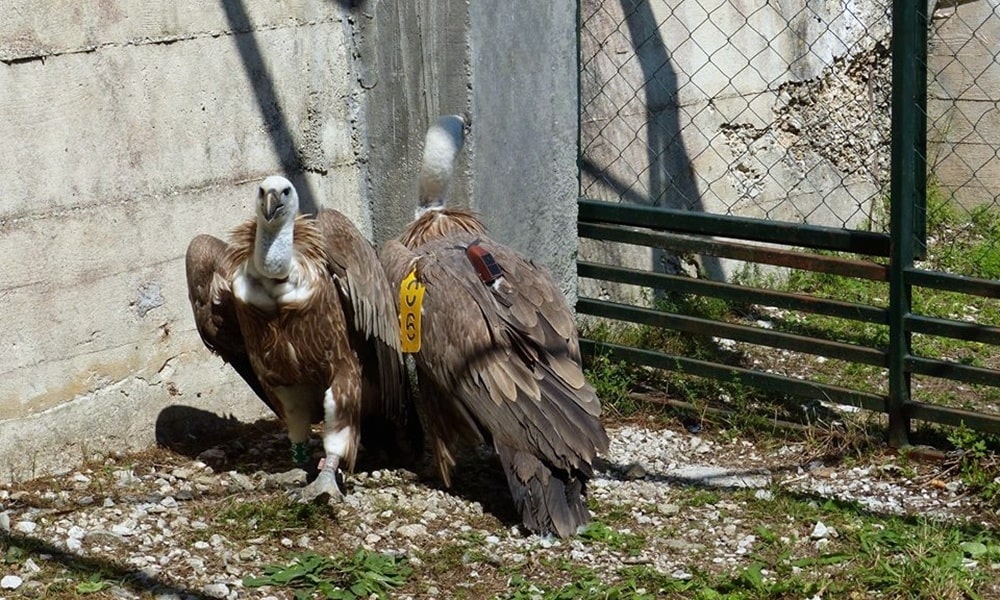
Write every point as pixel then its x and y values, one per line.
pixel 677 162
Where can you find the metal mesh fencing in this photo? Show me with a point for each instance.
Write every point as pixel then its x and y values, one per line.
pixel 771 110
pixel 782 112
pixel 963 135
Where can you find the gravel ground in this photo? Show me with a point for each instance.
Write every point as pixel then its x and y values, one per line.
pixel 167 523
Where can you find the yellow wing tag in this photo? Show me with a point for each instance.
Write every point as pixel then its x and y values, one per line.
pixel 411 297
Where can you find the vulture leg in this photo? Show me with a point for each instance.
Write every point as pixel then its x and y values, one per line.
pixel 341 420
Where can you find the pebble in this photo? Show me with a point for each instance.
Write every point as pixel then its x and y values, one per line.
pixel 216 590
pixel 10 582
pixel 150 523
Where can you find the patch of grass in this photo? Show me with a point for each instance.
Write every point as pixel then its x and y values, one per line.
pixel 583 584
pixel 702 497
pixel 613 382
pixel 630 543
pixel 978 464
pixel 363 574
pixel 241 520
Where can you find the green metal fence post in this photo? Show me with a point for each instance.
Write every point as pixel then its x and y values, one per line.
pixel 908 123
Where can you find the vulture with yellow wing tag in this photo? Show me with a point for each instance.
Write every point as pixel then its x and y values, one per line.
pixel 302 311
pixel 499 358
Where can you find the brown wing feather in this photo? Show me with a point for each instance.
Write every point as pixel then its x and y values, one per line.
pixel 366 294
pixel 498 372
pixel 208 277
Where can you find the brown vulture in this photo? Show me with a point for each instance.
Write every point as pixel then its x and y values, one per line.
pixel 498 360
pixel 302 311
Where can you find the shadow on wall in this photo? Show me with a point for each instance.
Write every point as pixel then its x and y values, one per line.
pixel 671 174
pixel 267 100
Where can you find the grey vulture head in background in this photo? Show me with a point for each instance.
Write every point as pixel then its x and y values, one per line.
pixel 498 360
pixel 302 311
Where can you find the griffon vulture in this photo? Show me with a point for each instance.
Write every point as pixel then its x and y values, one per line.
pixel 302 311
pixel 498 359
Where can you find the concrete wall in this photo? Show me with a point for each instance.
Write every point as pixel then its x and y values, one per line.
pixel 776 111
pixel 130 127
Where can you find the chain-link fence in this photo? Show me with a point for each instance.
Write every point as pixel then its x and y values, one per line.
pixel 771 110
pixel 783 112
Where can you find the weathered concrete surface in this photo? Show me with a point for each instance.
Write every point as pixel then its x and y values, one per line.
pixel 130 127
pixel 518 168
pixel 773 111
pixel 415 59
pixel 525 135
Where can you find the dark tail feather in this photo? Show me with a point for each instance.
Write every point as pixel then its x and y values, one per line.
pixel 550 501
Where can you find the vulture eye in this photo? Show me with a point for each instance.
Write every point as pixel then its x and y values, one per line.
pixel 285 191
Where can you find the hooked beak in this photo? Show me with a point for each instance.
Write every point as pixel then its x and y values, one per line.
pixel 272 205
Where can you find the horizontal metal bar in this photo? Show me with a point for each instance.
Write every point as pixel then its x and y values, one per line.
pixel 725 373
pixel 953 416
pixel 861 269
pixel 742 333
pixel 987 288
pixel 744 228
pixel 734 293
pixel 954 371
pixel 959 330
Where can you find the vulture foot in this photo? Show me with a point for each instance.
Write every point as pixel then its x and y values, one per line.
pixel 327 486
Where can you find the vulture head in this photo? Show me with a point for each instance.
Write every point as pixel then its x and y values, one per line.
pixel 442 143
pixel 277 209
pixel 277 202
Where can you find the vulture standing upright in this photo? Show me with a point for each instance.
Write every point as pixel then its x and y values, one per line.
pixel 496 351
pixel 302 311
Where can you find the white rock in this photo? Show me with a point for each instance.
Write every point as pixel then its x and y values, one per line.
pixel 25 526
pixel 413 530
pixel 11 582
pixel 216 590
pixel 820 531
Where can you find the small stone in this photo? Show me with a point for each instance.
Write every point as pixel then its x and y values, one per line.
pixel 11 582
pixel 182 473
pixel 74 545
pixel 492 539
pixel 216 590
pixel 242 480
pixel 287 543
pixel 81 478
pixel 25 526
pixel 201 545
pixel 4 522
pixel 668 509
pixel 820 531
pixel 413 530
pixel 634 471
pixel 763 495
pixel 125 477
pixel 85 500
pixel 288 479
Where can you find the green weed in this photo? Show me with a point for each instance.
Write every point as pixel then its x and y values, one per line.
pixel 343 577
